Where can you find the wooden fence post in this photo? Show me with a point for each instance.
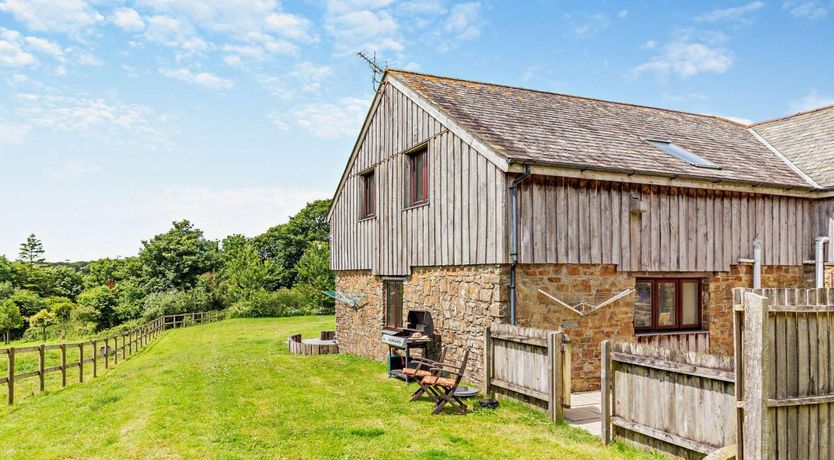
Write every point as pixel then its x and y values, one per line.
pixel 755 347
pixel 106 353
pixel 95 359
pixel 63 365
pixel 554 376
pixel 566 371
pixel 130 342
pixel 115 350
pixel 606 378
pixel 41 367
pixel 10 376
pixel 81 362
pixel 488 362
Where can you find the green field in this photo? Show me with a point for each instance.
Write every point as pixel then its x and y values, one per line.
pixel 231 390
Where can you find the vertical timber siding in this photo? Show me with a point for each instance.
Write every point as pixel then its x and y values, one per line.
pixel 590 222
pixel 464 221
pixel 825 224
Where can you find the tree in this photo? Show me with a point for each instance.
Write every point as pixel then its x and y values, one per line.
pixel 61 307
pixel 62 281
pixel 244 272
pixel 104 301
pixel 42 319
pixel 6 270
pixel 31 250
pixel 28 302
pixel 175 259
pixel 286 243
pixel 10 318
pixel 314 276
pixel 109 272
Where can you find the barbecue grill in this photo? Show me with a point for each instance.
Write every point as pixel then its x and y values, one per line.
pixel 416 334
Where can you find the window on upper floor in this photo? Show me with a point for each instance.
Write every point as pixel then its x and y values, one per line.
pixel 368 199
pixel 664 304
pixel 418 186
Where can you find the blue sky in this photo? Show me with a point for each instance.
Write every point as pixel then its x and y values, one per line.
pixel 118 117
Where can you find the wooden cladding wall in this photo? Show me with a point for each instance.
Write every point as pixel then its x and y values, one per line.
pixel 464 222
pixel 590 222
pixel 825 224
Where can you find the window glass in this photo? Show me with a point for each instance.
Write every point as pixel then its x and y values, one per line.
pixel 393 304
pixel 643 305
pixel 689 304
pixel 666 304
pixel 418 185
pixel 369 195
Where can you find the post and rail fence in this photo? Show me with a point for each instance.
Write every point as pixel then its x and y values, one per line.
pixel 97 352
pixel 534 363
pixel 773 399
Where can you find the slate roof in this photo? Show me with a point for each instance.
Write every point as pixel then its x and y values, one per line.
pixel 534 126
pixel 807 139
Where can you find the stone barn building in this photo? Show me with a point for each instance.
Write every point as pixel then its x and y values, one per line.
pixel 630 222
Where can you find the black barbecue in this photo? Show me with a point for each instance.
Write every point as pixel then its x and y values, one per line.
pixel 416 334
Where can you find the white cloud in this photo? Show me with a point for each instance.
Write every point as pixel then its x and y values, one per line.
pixel 307 76
pixel 89 59
pixel 45 46
pixel 75 169
pixel 205 79
pixel 289 25
pixel 328 120
pixel 812 100
pixel 357 29
pixel 12 53
pixel 175 33
pixel 278 122
pixel 686 59
pixel 128 19
pixel 53 16
pixel 734 14
pixel 13 133
pixel 463 23
pixel 591 26
pixel 805 9
pixel 310 75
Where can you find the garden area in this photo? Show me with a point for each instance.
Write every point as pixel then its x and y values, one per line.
pixel 232 390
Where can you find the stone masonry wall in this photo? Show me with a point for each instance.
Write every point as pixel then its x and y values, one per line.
pixel 463 301
pixel 593 284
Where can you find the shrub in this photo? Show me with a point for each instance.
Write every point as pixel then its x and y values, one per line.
pixel 28 302
pixel 61 307
pixel 103 300
pixel 129 301
pixel 164 303
pixel 283 302
pixel 41 320
pixel 10 318
pixel 314 276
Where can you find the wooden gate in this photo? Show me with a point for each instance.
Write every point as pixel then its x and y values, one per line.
pixel 532 363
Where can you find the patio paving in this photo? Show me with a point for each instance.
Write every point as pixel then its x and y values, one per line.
pixel 584 412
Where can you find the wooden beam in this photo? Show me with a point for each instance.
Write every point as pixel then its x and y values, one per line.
pixel 663 436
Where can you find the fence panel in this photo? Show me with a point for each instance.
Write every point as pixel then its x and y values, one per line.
pixel 670 400
pixel 529 362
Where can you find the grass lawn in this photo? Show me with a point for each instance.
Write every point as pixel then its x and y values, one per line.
pixel 231 390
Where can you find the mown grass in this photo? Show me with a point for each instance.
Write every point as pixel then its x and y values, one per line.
pixel 231 390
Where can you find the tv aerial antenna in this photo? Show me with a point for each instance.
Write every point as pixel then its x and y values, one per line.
pixel 376 70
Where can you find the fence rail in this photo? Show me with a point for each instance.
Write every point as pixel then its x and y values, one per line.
pixel 531 362
pixel 95 351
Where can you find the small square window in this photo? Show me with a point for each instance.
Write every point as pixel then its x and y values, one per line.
pixel 418 177
pixel 368 195
pixel 663 304
pixel 683 154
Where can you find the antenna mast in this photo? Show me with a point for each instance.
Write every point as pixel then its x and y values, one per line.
pixel 375 68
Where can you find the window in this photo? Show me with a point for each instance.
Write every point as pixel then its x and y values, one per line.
pixel 393 304
pixel 683 154
pixel 667 303
pixel 368 195
pixel 419 180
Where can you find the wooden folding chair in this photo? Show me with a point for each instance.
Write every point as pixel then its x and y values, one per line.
pixel 445 387
pixel 421 370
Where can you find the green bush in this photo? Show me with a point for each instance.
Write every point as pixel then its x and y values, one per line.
pixel 164 303
pixel 28 302
pixel 283 302
pixel 102 299
pixel 60 306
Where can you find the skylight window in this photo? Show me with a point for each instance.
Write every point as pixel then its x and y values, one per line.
pixel 683 154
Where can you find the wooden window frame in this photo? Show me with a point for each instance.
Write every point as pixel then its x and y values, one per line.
pixel 368 195
pixel 414 176
pixel 655 305
pixel 398 317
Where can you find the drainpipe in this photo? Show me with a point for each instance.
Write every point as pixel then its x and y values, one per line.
pixel 514 252
pixel 757 264
pixel 819 261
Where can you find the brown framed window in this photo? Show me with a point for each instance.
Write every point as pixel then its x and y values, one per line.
pixel 393 304
pixel 419 180
pixel 368 195
pixel 667 304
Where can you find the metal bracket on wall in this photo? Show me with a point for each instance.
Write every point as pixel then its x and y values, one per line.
pixel 348 298
pixel 584 308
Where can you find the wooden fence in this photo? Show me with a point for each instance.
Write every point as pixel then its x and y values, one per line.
pixel 683 341
pixel 774 399
pixel 675 401
pixel 785 351
pixel 534 363
pixel 95 351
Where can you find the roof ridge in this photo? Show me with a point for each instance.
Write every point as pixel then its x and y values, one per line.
pixel 797 114
pixel 629 104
